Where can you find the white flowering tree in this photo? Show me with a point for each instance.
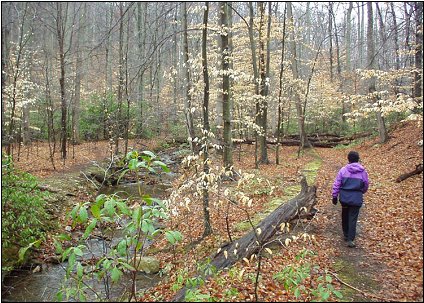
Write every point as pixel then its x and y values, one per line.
pixel 20 94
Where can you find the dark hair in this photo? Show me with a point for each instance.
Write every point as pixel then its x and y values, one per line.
pixel 353 156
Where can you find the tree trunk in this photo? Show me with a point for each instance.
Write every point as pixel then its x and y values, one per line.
pixel 127 84
pixel 349 37
pixel 371 64
pixel 78 77
pixel 51 133
pixel 118 124
pixel 255 75
pixel 26 139
pixel 330 33
pixel 418 85
pixel 187 104
pixel 207 223
pixel 60 26
pixel 264 88
pixel 175 77
pixel 280 90
pixel 407 46
pixel 226 89
pixel 11 135
pixel 383 45
pixel 300 117
pixel 395 36
pixel 348 53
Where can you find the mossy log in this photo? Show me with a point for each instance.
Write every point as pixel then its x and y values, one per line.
pixel 251 243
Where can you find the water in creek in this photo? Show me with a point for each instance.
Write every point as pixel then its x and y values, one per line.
pixel 28 286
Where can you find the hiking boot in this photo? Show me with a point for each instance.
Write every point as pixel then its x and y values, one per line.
pixel 351 244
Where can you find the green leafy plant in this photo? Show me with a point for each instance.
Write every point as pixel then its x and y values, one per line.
pixel 106 214
pixel 24 218
pixel 293 276
pixel 325 289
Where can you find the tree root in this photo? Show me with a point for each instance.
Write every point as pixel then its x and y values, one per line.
pixel 368 295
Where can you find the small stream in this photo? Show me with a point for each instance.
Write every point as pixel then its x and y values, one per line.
pixel 43 283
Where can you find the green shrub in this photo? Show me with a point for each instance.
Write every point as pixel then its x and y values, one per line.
pixel 22 208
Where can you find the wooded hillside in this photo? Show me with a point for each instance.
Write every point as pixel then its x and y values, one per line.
pixel 80 71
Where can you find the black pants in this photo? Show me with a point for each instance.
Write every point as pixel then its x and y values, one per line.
pixel 349 219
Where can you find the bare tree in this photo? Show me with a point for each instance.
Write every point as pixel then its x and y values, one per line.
pixel 294 65
pixel 187 103
pixel 418 85
pixel 280 90
pixel 118 124
pixel 206 128
pixel 226 89
pixel 16 73
pixel 371 58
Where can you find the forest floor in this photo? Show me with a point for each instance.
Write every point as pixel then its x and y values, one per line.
pixel 386 265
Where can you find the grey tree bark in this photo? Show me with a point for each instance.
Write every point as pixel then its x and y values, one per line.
pixel 226 89
pixel 298 102
pixel 188 101
pixel 418 81
pixel 141 21
pixel 371 59
pixel 78 77
pixel 61 15
pixel 280 91
pixel 118 120
pixel 206 128
pixel 15 77
pixel 255 74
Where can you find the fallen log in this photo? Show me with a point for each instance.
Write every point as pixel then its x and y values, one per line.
pixel 293 142
pixel 252 242
pixel 418 169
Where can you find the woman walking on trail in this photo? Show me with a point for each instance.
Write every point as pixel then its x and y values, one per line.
pixel 349 186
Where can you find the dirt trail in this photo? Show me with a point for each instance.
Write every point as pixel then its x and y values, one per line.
pixel 354 266
pixel 387 263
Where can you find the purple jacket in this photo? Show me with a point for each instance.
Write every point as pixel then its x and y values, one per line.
pixel 350 184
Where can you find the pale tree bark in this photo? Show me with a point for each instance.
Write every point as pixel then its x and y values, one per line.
pixel 298 102
pixel 51 132
pixel 141 54
pixel 118 119
pixel 336 37
pixel 348 52
pixel 16 73
pixel 206 216
pixel 226 89
pixel 255 74
pixel 263 70
pixel 407 45
pixel 126 85
pixel 396 35
pixel 76 110
pixel 371 59
pixel 26 138
pixel 383 38
pixel 349 37
pixel 175 78
pixel 108 78
pixel 187 103
pixel 280 90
